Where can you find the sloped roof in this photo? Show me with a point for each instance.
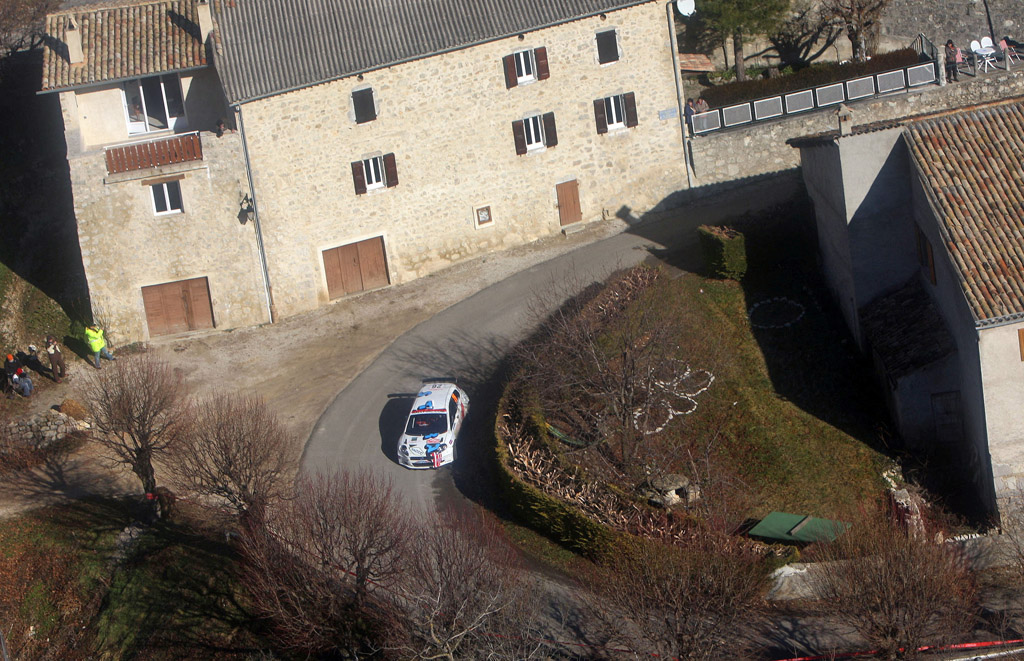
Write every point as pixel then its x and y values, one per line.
pixel 972 166
pixel 122 41
pixel 905 329
pixel 272 46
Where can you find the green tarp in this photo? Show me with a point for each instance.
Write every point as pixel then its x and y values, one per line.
pixel 797 528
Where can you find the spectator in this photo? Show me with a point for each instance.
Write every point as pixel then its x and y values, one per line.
pixel 701 105
pixel 952 72
pixel 57 368
pixel 97 344
pixel 690 112
pixel 22 383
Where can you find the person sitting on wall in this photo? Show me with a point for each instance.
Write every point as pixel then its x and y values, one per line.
pixel 22 383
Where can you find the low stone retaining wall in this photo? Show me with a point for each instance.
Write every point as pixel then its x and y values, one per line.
pixel 44 429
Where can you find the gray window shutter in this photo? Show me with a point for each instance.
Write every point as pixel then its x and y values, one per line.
pixel 602 121
pixel 550 134
pixel 390 171
pixel 362 101
pixel 607 47
pixel 519 136
pixel 540 56
pixel 629 100
pixel 511 80
pixel 359 177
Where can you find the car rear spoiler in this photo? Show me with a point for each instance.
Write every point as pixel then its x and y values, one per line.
pixel 441 379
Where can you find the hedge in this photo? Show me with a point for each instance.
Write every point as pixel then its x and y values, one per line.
pixel 548 516
pixel 725 251
pixel 813 76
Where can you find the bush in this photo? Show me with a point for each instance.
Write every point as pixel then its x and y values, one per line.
pixel 74 408
pixel 813 76
pixel 724 251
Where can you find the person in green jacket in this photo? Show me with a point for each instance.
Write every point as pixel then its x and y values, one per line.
pixel 97 344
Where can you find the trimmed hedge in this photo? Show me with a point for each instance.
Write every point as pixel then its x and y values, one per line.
pixel 813 76
pixel 725 251
pixel 548 516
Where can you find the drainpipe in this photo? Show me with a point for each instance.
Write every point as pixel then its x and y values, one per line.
pixel 271 309
pixel 680 101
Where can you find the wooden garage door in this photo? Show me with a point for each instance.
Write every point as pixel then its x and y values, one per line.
pixel 355 267
pixel 178 307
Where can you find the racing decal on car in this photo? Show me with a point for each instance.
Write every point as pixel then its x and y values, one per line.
pixel 425 393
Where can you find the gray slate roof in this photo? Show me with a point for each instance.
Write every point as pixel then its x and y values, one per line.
pixel 272 46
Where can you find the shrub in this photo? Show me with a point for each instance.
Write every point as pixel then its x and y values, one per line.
pixel 74 408
pixel 724 251
pixel 812 76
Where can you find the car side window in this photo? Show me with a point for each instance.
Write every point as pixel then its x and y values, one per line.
pixel 453 406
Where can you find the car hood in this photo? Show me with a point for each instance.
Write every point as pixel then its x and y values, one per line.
pixel 419 444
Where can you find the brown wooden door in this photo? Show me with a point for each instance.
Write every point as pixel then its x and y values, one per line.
pixel 355 267
pixel 569 202
pixel 178 307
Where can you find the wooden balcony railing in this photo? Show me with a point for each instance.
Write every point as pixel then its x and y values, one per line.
pixel 141 155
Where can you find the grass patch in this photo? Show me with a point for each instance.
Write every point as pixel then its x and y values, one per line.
pixel 35 314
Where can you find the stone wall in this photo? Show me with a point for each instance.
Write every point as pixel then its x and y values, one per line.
pixel 761 148
pixel 448 120
pixel 43 429
pixel 959 20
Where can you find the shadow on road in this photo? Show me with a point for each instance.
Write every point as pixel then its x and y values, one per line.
pixel 391 423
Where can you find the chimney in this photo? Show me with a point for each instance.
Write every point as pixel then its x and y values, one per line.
pixel 73 38
pixel 845 119
pixel 205 19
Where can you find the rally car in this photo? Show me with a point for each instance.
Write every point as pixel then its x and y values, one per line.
pixel 434 424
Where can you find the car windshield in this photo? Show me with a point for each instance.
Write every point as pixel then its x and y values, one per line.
pixel 421 424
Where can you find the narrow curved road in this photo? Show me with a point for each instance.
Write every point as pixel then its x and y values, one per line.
pixel 361 426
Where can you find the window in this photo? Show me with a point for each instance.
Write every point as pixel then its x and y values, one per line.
pixel 526 66
pixel 362 103
pixel 483 216
pixel 615 112
pixel 607 47
pixel 153 104
pixel 166 197
pixel 534 132
pixel 925 256
pixel 375 172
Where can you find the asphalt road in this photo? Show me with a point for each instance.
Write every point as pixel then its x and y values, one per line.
pixel 361 427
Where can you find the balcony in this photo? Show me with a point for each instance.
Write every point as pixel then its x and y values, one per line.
pixel 141 155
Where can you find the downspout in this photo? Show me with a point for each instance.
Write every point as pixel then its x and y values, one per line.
pixel 271 310
pixel 680 101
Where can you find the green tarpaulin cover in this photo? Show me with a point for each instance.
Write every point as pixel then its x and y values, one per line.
pixel 783 527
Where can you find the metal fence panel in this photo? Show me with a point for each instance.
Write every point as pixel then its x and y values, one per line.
pixel 706 121
pixel 859 88
pixel 921 74
pixel 767 108
pixel 799 101
pixel 890 82
pixel 830 94
pixel 734 115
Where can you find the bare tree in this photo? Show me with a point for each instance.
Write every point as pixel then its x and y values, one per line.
pixel 234 450
pixel 21 22
pixel 318 566
pixel 900 591
pixel 686 602
pixel 465 596
pixel 139 409
pixel 858 17
pixel 804 36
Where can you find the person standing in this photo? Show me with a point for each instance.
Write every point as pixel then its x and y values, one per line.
pixel 690 111
pixel 952 71
pixel 57 368
pixel 97 344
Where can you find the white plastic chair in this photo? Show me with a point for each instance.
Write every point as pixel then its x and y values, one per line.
pixel 986 59
pixel 986 42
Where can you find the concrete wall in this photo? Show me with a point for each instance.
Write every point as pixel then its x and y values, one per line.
pixel 448 119
pixel 1003 373
pixel 959 20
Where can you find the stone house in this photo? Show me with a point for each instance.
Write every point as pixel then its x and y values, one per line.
pixel 365 144
pixel 921 236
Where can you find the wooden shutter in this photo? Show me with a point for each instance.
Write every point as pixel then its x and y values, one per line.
pixel 540 57
pixel 550 135
pixel 519 136
pixel 1020 341
pixel 390 171
pixel 607 48
pixel 602 121
pixel 629 100
pixel 511 80
pixel 358 177
pixel 362 102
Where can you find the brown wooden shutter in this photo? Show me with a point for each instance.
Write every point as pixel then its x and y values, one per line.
pixel 602 121
pixel 550 134
pixel 540 56
pixel 390 171
pixel 511 80
pixel 519 136
pixel 1020 341
pixel 629 100
pixel 358 177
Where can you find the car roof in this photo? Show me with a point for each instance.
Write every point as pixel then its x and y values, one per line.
pixel 433 397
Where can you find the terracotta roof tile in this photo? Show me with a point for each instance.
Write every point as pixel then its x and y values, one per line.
pixel 125 41
pixel 972 167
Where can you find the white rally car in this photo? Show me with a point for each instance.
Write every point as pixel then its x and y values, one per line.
pixel 434 424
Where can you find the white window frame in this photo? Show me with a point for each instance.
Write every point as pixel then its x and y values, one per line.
pixel 533 130
pixel 374 178
pixel 141 127
pixel 524 60
pixel 615 111
pixel 162 190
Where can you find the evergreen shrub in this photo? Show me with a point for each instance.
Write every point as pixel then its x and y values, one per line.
pixel 725 251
